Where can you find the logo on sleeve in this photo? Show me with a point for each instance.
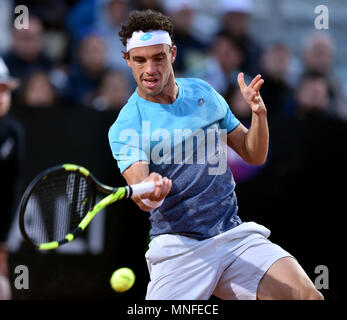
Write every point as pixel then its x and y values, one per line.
pixel 201 102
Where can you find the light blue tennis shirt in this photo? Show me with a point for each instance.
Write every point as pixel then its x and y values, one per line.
pixel 186 142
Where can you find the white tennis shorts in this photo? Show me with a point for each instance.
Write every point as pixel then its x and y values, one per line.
pixel 229 265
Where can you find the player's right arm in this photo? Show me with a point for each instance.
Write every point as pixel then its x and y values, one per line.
pixel 139 172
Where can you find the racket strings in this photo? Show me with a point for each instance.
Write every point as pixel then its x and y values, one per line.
pixel 57 205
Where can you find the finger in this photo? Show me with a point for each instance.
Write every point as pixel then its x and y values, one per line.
pixel 162 191
pixel 251 94
pixel 255 80
pixel 158 181
pixel 167 187
pixel 156 178
pixel 258 85
pixel 158 190
pixel 241 81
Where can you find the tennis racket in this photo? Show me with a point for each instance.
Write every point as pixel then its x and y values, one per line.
pixel 60 203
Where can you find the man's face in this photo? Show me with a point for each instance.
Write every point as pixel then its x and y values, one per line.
pixel 92 54
pixel 319 56
pixel 227 55
pixel 237 23
pixel 5 99
pixel 152 67
pixel 27 42
pixel 313 95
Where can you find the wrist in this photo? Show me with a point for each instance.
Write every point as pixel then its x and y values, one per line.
pixel 151 204
pixel 260 113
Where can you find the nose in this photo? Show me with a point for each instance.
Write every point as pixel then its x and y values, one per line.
pixel 150 67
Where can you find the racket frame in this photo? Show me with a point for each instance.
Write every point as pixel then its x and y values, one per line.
pixel 114 194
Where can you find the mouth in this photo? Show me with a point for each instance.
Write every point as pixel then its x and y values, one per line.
pixel 150 82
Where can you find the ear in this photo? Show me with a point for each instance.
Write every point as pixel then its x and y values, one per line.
pixel 173 54
pixel 126 57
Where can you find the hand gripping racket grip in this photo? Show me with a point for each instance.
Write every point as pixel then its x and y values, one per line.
pixel 141 188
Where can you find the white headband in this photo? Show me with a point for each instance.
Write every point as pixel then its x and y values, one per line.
pixel 150 38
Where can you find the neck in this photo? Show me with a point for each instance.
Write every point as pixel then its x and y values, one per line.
pixel 168 95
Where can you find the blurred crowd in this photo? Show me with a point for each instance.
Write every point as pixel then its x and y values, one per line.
pixel 70 56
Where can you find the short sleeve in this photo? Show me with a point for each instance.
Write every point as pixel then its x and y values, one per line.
pixel 125 141
pixel 230 122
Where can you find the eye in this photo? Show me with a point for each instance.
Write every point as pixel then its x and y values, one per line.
pixel 139 60
pixel 159 59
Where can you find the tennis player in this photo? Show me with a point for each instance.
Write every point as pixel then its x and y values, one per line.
pixel 172 132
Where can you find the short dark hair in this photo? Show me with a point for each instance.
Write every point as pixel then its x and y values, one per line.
pixel 145 20
pixel 224 34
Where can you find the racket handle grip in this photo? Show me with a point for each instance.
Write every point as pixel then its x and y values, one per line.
pixel 141 188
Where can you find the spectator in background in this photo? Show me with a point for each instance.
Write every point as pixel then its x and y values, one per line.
pixel 37 91
pixel 51 12
pixel 116 12
pixel 318 57
pixel 112 93
pixel 221 66
pixel 103 17
pixel 181 13
pixel 274 63
pixel 87 71
pixel 26 54
pixel 10 154
pixel 311 98
pixel 313 152
pixel 236 16
pixel 82 17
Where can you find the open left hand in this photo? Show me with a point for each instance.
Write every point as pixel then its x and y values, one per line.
pixel 251 93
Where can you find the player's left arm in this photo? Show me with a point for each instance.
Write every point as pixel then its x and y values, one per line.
pixel 252 144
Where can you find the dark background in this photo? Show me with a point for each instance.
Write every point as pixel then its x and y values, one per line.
pixel 56 136
pixel 299 195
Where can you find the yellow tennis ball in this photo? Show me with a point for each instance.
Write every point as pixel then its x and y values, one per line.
pixel 122 279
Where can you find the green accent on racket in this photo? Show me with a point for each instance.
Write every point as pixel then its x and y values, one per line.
pixel 59 204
